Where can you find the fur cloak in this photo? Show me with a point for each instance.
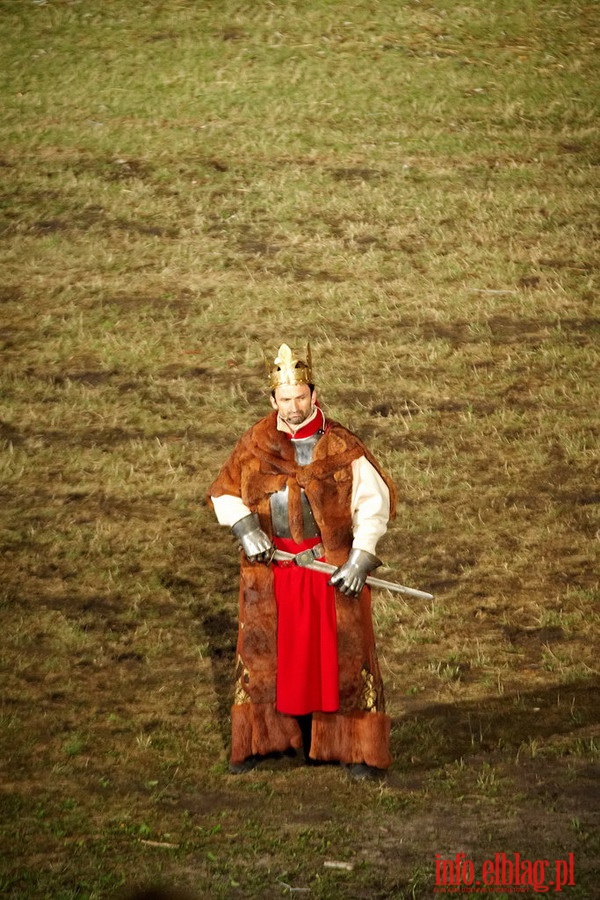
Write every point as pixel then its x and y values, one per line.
pixel 261 463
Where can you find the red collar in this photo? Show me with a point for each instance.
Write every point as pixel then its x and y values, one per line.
pixel 317 424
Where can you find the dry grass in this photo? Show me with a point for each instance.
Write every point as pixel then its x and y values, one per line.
pixel 411 187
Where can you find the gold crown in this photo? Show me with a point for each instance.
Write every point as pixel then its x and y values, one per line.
pixel 288 368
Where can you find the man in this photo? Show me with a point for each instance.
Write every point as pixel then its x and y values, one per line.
pixel 307 673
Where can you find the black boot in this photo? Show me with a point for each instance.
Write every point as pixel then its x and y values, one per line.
pixel 363 772
pixel 305 723
pixel 246 766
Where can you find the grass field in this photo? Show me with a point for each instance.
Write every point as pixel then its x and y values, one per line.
pixel 412 187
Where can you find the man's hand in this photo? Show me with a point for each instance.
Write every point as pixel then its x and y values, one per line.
pixel 351 576
pixel 257 545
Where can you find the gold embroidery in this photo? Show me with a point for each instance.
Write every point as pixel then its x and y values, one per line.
pixel 369 692
pixel 242 679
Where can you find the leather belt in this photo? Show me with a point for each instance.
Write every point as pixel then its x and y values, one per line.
pixel 305 557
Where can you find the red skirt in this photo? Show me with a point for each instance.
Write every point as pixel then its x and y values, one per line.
pixel 307 657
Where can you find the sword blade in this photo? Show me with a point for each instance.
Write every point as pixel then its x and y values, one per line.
pixel 327 568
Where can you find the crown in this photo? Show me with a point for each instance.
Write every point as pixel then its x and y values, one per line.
pixel 288 368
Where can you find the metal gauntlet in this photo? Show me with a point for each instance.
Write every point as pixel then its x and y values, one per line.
pixel 257 545
pixel 351 576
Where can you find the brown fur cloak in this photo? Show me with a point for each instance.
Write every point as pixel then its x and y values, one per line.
pixel 261 463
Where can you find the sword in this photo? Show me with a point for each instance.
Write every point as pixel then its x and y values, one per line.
pixel 307 561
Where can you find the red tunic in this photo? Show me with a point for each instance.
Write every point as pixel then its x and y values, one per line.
pixel 307 666
pixel 307 650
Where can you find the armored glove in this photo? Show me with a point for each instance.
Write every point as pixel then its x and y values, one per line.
pixel 257 545
pixel 351 576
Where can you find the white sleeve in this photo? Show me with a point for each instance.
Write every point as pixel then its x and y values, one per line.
pixel 370 505
pixel 229 509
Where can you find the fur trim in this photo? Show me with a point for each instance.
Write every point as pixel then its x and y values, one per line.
pixel 262 462
pixel 258 729
pixel 257 634
pixel 360 737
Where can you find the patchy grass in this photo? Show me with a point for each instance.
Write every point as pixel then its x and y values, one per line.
pixel 409 186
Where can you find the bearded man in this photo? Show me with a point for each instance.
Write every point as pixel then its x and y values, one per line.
pixel 307 673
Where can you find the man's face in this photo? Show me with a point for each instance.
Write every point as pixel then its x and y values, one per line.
pixel 294 403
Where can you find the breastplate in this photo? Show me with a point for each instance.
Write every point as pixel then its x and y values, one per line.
pixel 280 519
pixel 304 449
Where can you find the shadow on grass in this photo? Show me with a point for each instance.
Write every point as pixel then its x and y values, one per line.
pixel 220 628
pixel 433 735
